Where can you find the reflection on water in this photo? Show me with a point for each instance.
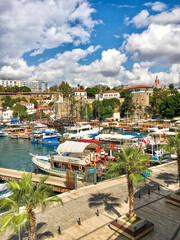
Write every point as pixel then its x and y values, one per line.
pixel 14 153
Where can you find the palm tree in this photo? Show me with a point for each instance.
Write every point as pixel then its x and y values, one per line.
pixel 133 162
pixel 173 146
pixel 24 193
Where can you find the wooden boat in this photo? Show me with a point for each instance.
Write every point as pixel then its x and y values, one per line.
pixel 18 130
pixel 73 156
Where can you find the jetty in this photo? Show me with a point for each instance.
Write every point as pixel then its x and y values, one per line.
pixel 58 184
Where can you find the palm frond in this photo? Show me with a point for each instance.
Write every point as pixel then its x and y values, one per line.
pixel 5 222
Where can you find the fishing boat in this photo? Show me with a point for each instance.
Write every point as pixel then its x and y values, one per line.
pixel 73 156
pixel 46 136
pixel 82 130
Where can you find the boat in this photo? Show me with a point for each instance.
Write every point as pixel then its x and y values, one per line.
pixel 73 156
pixel 18 130
pixel 50 136
pixel 82 130
pixel 3 134
pixel 4 191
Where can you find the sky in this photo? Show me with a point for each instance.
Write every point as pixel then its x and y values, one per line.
pixel 88 42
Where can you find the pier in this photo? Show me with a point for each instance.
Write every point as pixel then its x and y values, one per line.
pixel 58 184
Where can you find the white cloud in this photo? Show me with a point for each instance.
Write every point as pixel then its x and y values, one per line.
pixel 39 25
pixel 143 19
pixel 156 6
pixel 157 42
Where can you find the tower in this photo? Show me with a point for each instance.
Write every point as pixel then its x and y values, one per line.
pixel 157 82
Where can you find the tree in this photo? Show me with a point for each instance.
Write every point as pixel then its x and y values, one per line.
pixel 125 94
pixel 32 100
pixel 27 195
pixel 171 86
pixel 65 89
pixel 170 106
pixel 20 110
pixel 87 111
pixel 127 106
pixel 173 146
pixel 54 88
pixel 156 99
pixel 24 89
pixel 91 92
pixel 7 102
pixel 2 89
pixel 134 163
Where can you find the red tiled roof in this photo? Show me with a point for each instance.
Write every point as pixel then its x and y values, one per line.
pixel 111 91
pixel 137 86
pixel 24 102
pixel 115 111
pixel 79 90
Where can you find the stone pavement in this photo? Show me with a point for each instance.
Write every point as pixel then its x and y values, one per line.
pixel 109 197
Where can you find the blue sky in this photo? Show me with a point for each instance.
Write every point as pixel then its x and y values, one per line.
pixel 86 42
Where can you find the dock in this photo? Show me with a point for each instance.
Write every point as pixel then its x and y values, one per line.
pixel 58 184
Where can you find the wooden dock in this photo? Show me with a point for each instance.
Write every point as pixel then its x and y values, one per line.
pixel 58 184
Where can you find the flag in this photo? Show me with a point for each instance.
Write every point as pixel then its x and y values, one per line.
pixel 98 149
pixel 144 141
pixel 158 81
pixel 112 146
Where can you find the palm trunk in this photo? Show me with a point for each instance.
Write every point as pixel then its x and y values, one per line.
pixel 131 196
pixel 32 225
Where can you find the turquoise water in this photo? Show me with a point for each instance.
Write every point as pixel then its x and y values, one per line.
pixel 14 153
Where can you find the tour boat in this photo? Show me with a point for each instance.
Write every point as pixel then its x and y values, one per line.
pixel 46 136
pixel 82 130
pixel 18 130
pixel 73 156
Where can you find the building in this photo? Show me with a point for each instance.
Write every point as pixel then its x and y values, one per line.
pixel 19 83
pixel 12 83
pixel 111 94
pixel 99 96
pixel 79 94
pixel 36 86
pixel 116 115
pixel 7 115
pixel 29 106
pixel 140 89
pixel 7 83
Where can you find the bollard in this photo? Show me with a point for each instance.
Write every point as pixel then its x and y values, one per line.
pixel 167 184
pixel 59 230
pixel 79 221
pixel 149 191
pixel 139 195
pixel 97 212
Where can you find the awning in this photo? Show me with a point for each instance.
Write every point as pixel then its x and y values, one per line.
pixel 75 147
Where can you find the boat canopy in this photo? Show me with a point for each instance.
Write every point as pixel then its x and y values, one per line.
pixel 75 147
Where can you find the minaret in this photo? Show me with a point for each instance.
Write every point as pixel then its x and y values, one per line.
pixel 157 82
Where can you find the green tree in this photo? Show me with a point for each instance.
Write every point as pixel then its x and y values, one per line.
pixel 134 163
pixel 87 111
pixel 65 89
pixel 23 99
pixel 170 106
pixel 2 89
pixel 173 146
pixel 91 92
pixel 24 193
pixel 125 94
pixel 24 89
pixel 7 101
pixel 20 110
pixel 53 88
pixel 171 86
pixel 127 106
pixel 156 99
pixel 32 100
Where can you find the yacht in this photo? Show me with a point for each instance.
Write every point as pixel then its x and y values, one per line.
pixel 82 130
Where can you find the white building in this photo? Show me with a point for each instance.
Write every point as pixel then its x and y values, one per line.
pixel 12 83
pixel 7 115
pixel 116 115
pixel 36 86
pixel 29 106
pixel 111 94
pixel 19 83
pixel 140 89
pixel 79 94
pixel 99 96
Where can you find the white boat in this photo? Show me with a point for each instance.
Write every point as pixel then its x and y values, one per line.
pixel 3 187
pixel 72 156
pixel 82 130
pixel 3 134
pixel 4 191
